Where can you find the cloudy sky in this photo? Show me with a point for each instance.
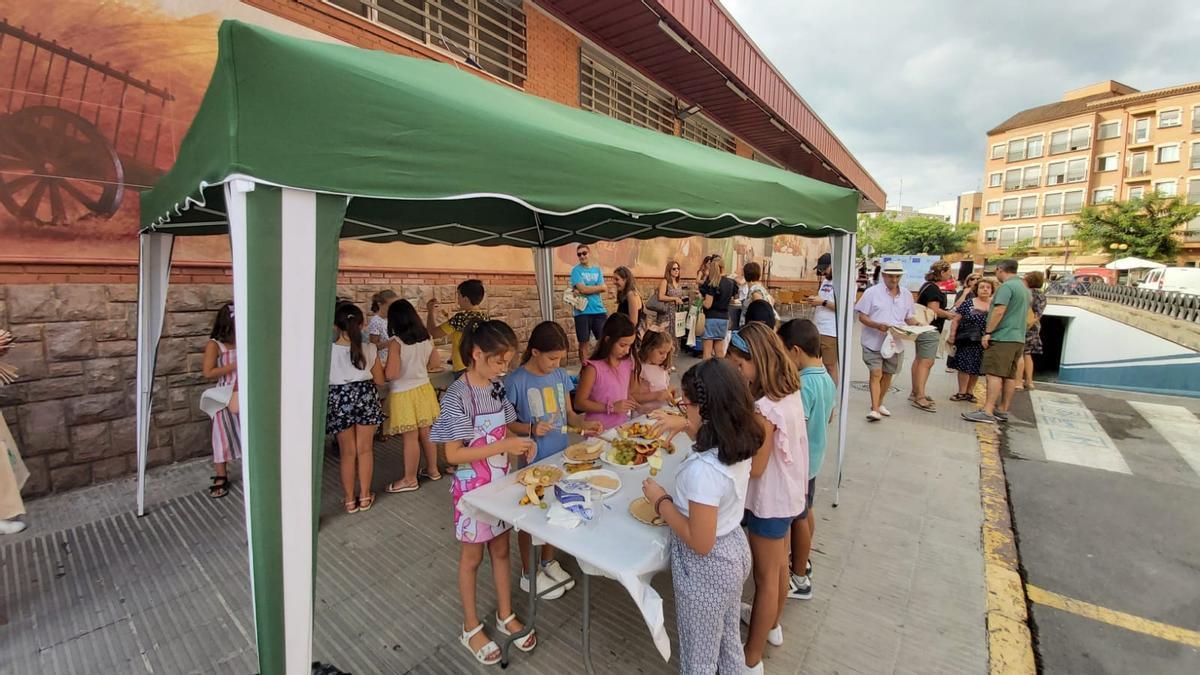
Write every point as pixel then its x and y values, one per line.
pixel 911 87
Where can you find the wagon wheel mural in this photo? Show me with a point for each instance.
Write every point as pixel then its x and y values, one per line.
pixel 56 167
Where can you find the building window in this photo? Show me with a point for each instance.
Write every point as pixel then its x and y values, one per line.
pixel 1170 118
pixel 1108 130
pixel 1196 119
pixel 1166 188
pixel 1081 138
pixel 1195 156
pixel 1106 163
pixel 1011 205
pixel 1137 165
pixel 1032 177
pixel 1056 173
pixel 1068 231
pixel 1049 235
pixel 1027 232
pixel 1103 195
pixel 994 179
pixel 489 32
pixel 998 150
pixel 1077 170
pixel 1029 206
pixel 1073 201
pixel 613 92
pixel 1167 154
pixel 1060 141
pixel 702 132
pixel 1141 130
pixel 975 214
pixel 1016 150
pixel 1052 204
pixel 993 208
pixel 966 213
pixel 1137 192
pixel 1008 237
pixel 1033 147
pixel 1012 180
pixel 1193 195
pixel 989 236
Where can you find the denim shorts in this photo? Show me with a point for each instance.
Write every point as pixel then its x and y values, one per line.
pixel 715 329
pixel 767 528
pixel 808 497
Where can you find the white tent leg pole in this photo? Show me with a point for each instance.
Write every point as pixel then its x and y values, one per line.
pixel 543 270
pixel 283 377
pixel 844 285
pixel 154 272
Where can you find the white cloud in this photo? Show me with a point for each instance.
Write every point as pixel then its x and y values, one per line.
pixel 912 87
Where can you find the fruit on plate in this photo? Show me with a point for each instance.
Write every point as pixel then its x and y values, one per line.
pixel 638 430
pixel 533 495
pixel 627 453
pixel 543 476
pixel 586 466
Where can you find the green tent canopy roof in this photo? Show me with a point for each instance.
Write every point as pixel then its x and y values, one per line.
pixel 430 153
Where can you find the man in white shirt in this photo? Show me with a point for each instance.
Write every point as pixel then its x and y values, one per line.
pixel 825 314
pixel 881 307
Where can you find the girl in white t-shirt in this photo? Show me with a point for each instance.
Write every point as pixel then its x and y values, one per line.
pixel 354 411
pixel 652 371
pixel 710 558
pixel 412 403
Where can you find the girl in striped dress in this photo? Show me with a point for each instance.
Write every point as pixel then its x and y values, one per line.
pixel 220 364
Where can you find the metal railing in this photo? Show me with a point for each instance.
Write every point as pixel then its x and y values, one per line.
pixel 1181 306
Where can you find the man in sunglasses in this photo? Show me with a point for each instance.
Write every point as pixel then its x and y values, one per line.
pixel 588 282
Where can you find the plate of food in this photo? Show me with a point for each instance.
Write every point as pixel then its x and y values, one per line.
pixel 643 511
pixel 584 452
pixel 535 480
pixel 628 454
pixel 638 430
pixel 601 481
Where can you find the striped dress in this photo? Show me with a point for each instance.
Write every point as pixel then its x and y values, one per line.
pixel 226 439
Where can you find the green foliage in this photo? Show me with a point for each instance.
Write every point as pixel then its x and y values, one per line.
pixel 1146 225
pixel 1019 250
pixel 913 235
pixel 871 230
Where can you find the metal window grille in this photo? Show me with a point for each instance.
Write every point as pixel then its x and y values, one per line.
pixel 702 132
pixel 487 33
pixel 609 91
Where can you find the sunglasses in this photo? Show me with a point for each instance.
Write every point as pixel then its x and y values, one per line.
pixel 581 254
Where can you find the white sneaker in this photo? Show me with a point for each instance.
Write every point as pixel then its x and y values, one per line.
pixel 874 416
pixel 756 670
pixel 774 636
pixel 12 526
pixel 885 412
pixel 543 581
pixel 558 574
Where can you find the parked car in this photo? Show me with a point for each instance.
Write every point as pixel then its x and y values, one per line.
pixel 1173 279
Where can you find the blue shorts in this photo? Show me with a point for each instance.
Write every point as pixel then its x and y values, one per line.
pixel 589 325
pixel 808 498
pixel 715 329
pixel 767 528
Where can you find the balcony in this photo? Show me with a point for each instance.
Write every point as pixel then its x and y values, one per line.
pixel 1137 141
pixel 1138 175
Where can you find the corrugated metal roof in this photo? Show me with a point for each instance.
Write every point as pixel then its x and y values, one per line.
pixel 721 52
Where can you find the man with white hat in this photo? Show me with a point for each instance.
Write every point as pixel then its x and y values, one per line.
pixel 880 308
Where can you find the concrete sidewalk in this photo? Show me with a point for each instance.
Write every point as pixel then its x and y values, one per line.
pixel 898 573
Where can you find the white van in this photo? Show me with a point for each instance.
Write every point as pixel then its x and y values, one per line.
pixel 1174 279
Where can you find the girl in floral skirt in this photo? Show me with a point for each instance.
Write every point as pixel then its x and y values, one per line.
pixel 354 411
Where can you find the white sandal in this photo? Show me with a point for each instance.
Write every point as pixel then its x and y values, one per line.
pixel 502 628
pixel 490 647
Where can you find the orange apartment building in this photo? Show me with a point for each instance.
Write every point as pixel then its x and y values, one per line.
pixel 1102 143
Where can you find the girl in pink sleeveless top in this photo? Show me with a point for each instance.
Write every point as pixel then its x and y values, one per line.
pixel 604 394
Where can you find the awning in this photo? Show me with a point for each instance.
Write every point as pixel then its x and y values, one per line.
pixel 432 153
pixel 1132 263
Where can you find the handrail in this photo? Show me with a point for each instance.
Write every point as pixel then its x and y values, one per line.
pixel 1172 304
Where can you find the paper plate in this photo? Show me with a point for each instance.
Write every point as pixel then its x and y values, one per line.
pixel 643 511
pixel 607 458
pixel 548 475
pixel 605 476
pixel 583 452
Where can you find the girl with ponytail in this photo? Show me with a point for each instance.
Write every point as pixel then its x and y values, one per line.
pixel 354 411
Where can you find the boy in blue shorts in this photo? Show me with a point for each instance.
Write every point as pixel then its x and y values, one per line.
pixel 803 342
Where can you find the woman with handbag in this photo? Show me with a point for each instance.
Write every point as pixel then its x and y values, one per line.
pixel 966 335
pixel 667 299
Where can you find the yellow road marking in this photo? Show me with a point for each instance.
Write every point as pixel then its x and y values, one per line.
pixel 1137 624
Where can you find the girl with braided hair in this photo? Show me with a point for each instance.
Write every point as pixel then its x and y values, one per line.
pixel 710 558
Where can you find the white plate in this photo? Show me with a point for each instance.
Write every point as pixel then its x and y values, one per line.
pixel 582 476
pixel 606 457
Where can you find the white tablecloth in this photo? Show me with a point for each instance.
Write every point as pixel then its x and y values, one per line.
pixel 613 545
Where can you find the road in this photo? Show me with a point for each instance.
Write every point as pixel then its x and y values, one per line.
pixel 1105 494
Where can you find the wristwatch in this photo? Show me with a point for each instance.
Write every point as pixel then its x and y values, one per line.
pixel 823 302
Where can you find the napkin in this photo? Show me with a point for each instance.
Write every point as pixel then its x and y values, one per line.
pixel 558 516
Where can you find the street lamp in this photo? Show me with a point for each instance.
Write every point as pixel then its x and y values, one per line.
pixel 1118 247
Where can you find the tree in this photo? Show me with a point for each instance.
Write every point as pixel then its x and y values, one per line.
pixel 1146 225
pixel 926 234
pixel 871 230
pixel 1019 250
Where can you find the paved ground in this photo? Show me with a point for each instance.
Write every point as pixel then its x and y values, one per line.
pixel 1105 491
pixel 90 588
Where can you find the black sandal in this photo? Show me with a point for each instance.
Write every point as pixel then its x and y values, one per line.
pixel 219 487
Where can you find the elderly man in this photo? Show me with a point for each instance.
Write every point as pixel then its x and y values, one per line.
pixel 1003 344
pixel 881 307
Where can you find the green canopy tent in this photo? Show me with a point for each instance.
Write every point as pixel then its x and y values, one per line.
pixel 298 143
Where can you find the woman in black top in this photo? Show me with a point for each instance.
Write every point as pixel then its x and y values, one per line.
pixel 629 300
pixel 934 298
pixel 717 291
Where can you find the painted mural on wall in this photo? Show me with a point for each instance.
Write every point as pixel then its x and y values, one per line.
pixel 96 95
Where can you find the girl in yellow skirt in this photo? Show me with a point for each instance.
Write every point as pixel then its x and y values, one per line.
pixel 412 404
